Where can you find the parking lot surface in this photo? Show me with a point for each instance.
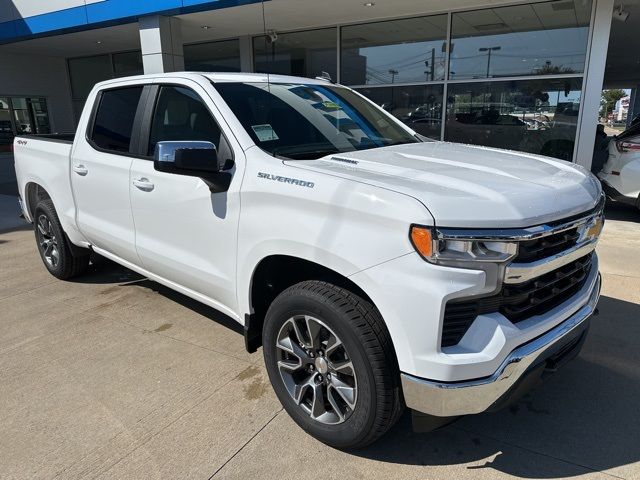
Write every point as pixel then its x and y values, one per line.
pixel 114 376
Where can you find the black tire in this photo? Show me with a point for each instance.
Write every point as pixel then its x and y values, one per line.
pixel 361 329
pixel 70 260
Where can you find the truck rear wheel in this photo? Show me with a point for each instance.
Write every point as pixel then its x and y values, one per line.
pixel 53 245
pixel 331 363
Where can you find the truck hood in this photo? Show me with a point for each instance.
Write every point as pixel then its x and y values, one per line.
pixel 470 186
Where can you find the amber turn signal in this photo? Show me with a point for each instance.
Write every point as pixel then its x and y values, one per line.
pixel 422 240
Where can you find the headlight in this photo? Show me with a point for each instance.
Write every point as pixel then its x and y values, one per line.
pixel 460 252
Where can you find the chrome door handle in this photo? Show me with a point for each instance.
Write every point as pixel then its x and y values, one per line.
pixel 80 170
pixel 143 184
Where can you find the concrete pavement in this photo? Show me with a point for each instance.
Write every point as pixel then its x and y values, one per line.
pixel 114 376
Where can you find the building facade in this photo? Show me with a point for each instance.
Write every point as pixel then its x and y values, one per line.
pixel 520 75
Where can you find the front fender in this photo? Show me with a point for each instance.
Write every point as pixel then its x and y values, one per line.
pixel 343 225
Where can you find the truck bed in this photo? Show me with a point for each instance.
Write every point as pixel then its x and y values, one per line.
pixel 44 160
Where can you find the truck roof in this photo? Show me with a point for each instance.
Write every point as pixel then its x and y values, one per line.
pixel 219 77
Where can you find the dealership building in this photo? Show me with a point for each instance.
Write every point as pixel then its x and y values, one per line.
pixel 522 75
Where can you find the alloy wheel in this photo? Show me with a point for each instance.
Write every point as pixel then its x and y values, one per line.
pixel 316 369
pixel 48 241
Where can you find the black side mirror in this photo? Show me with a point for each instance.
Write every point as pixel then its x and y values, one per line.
pixel 193 159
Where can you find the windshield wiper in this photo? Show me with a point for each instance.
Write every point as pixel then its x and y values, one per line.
pixel 312 152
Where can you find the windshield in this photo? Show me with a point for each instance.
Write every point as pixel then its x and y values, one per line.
pixel 309 121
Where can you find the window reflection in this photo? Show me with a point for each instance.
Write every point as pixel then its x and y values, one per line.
pixel 536 39
pixel 398 51
pixel 537 116
pixel 213 57
pixel 304 54
pixel 85 72
pixel 127 63
pixel 6 128
pixel 419 106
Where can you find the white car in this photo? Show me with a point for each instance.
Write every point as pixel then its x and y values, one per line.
pixel 376 270
pixel 620 174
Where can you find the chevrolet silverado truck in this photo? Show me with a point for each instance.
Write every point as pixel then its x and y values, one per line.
pixel 376 268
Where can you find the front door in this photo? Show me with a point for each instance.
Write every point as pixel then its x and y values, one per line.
pixel 185 233
pixel 100 173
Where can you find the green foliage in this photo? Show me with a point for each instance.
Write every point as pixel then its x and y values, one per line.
pixel 609 100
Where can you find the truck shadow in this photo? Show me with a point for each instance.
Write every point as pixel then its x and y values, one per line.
pixel 583 419
pixel 104 271
pixel 621 212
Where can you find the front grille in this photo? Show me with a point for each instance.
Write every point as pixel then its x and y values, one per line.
pixel 517 302
pixel 539 248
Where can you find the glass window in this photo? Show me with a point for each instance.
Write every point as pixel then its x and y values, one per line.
pixel 304 54
pixel 6 129
pixel 113 123
pixel 181 115
pixel 127 63
pixel 419 106
pixel 397 51
pixel 303 121
pixel 30 115
pixel 86 72
pixel 213 57
pixel 537 116
pixel 40 115
pixel 22 116
pixel 533 39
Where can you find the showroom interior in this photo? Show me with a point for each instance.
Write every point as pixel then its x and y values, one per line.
pixel 520 75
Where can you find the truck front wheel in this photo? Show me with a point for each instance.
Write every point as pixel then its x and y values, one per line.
pixel 331 363
pixel 53 245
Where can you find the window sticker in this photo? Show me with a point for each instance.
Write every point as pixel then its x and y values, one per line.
pixel 265 132
pixel 327 106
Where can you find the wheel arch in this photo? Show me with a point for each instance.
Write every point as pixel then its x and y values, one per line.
pixel 34 193
pixel 275 273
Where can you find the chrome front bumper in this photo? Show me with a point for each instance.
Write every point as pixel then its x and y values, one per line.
pixel 479 395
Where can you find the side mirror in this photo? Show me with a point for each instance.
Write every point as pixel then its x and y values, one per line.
pixel 186 158
pixel 193 159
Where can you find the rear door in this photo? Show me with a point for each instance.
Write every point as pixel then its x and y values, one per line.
pixel 100 167
pixel 184 232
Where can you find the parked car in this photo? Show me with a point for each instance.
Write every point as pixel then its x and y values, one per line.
pixel 487 127
pixel 620 174
pixel 375 269
pixel 533 124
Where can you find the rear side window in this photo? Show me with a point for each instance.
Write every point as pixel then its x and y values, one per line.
pixel 114 118
pixel 181 115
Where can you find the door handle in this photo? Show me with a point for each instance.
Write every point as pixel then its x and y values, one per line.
pixel 80 170
pixel 143 184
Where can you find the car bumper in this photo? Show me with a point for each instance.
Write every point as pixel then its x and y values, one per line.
pixel 522 368
pixel 616 196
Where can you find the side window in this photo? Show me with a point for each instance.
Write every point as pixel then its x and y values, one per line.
pixel 180 114
pixel 114 118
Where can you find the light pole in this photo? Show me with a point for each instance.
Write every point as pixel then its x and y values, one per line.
pixel 489 50
pixel 393 73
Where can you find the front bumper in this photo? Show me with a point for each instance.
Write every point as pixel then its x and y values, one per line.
pixel 518 371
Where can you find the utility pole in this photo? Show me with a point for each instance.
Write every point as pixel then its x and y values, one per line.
pixel 393 73
pixel 489 50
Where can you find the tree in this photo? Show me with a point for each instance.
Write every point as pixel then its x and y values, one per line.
pixel 609 100
pixel 549 69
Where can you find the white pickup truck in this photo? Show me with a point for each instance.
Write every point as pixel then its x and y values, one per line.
pixel 377 269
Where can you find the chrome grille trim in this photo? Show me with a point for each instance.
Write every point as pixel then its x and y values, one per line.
pixel 523 272
pixel 520 234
